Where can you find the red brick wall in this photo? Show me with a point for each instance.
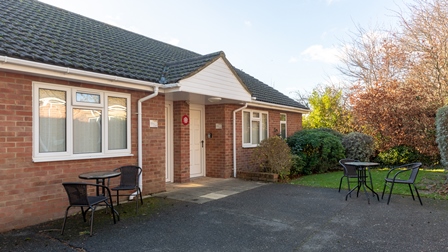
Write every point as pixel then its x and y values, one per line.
pixel 219 148
pixel 294 123
pixel 153 144
pixel 32 193
pixel 181 143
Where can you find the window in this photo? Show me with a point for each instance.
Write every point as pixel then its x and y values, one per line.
pixel 73 123
pixel 255 127
pixel 283 126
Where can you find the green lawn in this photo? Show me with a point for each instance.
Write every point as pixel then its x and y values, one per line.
pixel 431 183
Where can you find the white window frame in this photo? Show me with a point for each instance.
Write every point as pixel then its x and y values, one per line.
pixel 252 119
pixel 71 103
pixel 100 104
pixel 284 123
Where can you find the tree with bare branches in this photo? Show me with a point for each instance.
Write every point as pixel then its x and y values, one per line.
pixel 425 36
pixel 399 78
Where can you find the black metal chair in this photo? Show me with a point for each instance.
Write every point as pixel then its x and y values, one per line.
pixel 77 193
pixel 397 178
pixel 129 181
pixel 350 172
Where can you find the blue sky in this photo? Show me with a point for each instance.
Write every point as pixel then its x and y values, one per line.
pixel 290 45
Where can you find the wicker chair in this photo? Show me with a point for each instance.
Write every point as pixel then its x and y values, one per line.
pixel 78 197
pixel 129 181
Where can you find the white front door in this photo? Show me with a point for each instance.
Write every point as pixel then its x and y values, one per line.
pixel 197 142
pixel 169 141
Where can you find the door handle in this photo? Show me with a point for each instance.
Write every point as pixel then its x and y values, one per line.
pixel 202 143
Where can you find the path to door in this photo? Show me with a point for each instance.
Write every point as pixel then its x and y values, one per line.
pixel 204 189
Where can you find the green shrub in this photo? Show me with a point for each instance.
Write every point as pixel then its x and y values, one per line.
pixel 297 166
pixel 318 149
pixel 430 161
pixel 442 134
pixel 333 132
pixel 358 146
pixel 273 155
pixel 399 155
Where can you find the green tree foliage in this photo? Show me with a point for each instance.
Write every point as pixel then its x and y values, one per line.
pixel 399 155
pixel 442 134
pixel 333 132
pixel 318 149
pixel 358 146
pixel 328 110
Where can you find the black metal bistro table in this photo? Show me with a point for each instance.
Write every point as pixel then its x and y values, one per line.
pixel 361 168
pixel 100 177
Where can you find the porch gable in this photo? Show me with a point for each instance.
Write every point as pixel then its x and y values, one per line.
pixel 216 80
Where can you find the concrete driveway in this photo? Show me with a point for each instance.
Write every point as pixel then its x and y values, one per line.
pixel 237 215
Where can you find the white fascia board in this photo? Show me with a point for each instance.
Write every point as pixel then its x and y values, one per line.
pixel 57 72
pixel 260 104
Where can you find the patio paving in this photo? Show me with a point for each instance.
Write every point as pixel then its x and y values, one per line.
pixel 204 189
pixel 249 216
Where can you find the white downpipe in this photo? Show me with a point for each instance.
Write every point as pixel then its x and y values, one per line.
pixel 140 138
pixel 234 137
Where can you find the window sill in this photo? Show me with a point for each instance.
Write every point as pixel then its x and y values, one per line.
pixel 250 146
pixel 80 157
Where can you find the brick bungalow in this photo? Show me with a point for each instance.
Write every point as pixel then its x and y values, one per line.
pixel 78 95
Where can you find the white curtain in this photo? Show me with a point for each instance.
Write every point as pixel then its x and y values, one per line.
pixel 246 125
pixel 264 127
pixel 117 124
pixel 86 131
pixel 255 132
pixel 52 120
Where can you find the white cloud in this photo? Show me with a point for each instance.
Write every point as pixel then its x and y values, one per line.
pixel 292 59
pixel 320 53
pixel 248 23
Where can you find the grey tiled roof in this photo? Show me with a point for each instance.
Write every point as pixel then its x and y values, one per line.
pixel 176 70
pixel 35 31
pixel 265 93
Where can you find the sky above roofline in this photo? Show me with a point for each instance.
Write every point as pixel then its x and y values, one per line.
pixel 289 45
